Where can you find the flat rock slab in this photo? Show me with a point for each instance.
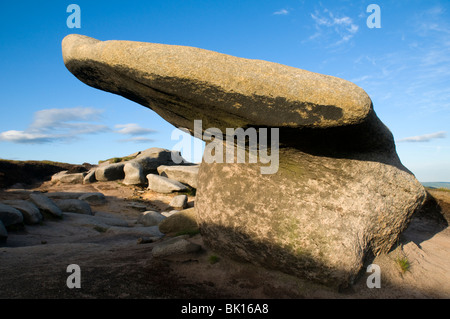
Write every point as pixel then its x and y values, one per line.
pixel 182 173
pixel 74 206
pixel 222 90
pixel 164 185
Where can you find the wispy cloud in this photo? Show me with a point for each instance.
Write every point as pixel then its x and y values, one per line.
pixel 328 24
pixel 133 129
pixel 137 139
pixel 281 12
pixel 137 133
pixel 424 138
pixel 52 125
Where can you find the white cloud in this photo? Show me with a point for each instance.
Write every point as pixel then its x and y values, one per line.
pixel 424 138
pixel 328 24
pixel 24 137
pixel 281 12
pixel 52 125
pixel 133 129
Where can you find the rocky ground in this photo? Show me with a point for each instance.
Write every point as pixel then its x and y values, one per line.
pixel 33 262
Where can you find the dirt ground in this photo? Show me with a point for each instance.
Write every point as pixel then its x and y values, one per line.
pixel 33 262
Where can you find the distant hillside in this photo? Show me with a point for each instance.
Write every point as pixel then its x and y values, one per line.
pixel 437 184
pixel 28 172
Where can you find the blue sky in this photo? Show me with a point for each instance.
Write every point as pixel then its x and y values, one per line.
pixel 46 113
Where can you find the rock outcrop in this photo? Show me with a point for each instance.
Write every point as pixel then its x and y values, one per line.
pixel 146 162
pixel 340 192
pixel 186 174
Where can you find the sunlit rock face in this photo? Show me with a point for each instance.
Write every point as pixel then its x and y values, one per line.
pixel 340 192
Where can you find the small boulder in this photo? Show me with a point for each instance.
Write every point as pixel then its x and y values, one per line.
pixel 69 178
pixel 9 215
pixel 74 206
pixel 31 214
pixel 90 177
pixel 164 185
pixel 179 202
pixel 95 198
pixel 147 162
pixel 46 205
pixel 186 174
pixel 175 246
pixel 3 233
pixel 150 218
pixel 109 172
pixel 183 221
pixel 134 173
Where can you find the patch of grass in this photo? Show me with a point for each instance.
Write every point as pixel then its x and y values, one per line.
pixel 100 229
pixel 115 160
pixel 190 232
pixel 403 263
pixel 213 259
pixel 443 189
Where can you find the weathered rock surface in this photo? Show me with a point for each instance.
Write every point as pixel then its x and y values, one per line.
pixel 182 221
pixel 183 84
pixel 109 172
pixel 146 162
pixel 66 177
pixel 150 218
pixel 340 192
pixel 164 185
pixel 174 246
pixel 46 205
pixel 30 212
pixel 74 206
pixel 9 215
pixel 179 202
pixel 182 173
pixel 95 198
pixel 90 177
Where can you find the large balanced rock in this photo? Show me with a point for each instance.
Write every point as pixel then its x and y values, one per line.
pixel 338 192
